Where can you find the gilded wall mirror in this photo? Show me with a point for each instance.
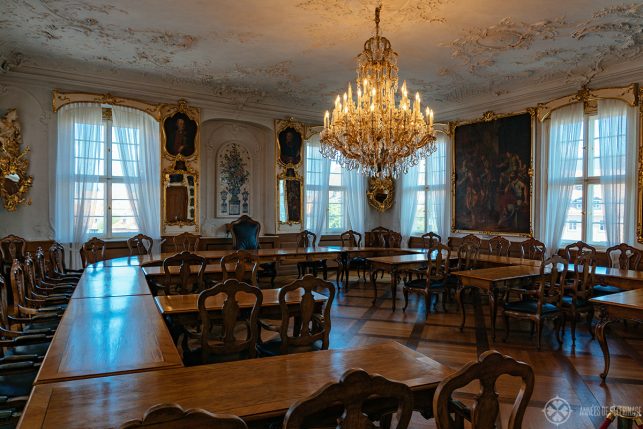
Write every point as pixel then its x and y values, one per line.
pixel 381 192
pixel 180 185
pixel 14 180
pixel 290 197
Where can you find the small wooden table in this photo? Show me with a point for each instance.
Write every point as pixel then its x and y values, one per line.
pixel 488 280
pixel 623 305
pixel 105 336
pixel 257 390
pixel 393 264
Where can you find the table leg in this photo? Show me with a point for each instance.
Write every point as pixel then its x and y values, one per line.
pixel 373 283
pixel 494 309
pixel 602 340
pixel 394 281
pixel 459 299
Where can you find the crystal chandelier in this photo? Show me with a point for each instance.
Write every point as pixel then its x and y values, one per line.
pixel 372 134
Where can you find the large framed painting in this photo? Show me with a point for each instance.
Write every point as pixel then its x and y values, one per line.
pixel 493 175
pixel 180 131
pixel 234 192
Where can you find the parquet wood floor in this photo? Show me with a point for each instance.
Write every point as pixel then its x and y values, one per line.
pixel 571 374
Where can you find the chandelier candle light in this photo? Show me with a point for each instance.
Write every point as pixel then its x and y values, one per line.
pixel 372 134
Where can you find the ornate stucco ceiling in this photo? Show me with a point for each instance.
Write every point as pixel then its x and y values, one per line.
pixel 301 53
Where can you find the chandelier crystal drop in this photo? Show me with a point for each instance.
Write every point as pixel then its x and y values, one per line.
pixel 372 134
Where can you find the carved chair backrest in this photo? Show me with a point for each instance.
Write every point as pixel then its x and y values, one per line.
pixel 574 250
pixel 245 233
pixel 310 325
pixel 499 246
pixel 41 265
pixel 471 238
pixel 533 249
pixel 430 239
pixel 623 256
pixel 29 271
pixel 583 274
pixel 184 281
pixel 350 396
pixel 376 237
pixel 140 244
pixel 392 239
pixel 4 305
pixel 186 242
pixel 173 416
pixel 351 238
pixel 438 262
pixel 485 410
pixel 57 258
pixel 306 239
pixel 18 287
pixel 551 282
pixel 12 247
pixel 92 251
pixel 468 255
pixel 244 266
pixel 228 341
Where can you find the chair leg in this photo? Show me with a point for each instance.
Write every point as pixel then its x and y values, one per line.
pixel 573 327
pixel 427 303
pixel 590 318
pixel 325 271
pixel 539 328
pixel 405 291
pixel 444 300
pixel 557 327
pixel 459 299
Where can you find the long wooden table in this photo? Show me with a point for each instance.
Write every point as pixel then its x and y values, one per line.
pixel 488 280
pixel 618 306
pixel 106 336
pixel 103 282
pixel 257 390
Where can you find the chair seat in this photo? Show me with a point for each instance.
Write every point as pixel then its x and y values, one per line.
pixel 421 284
pixel 273 348
pixel 602 290
pixel 529 307
pixel 567 302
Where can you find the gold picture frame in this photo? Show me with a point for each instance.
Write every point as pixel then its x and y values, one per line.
pixel 290 198
pixel 180 131
pixel 522 228
pixel 381 193
pixel 15 181
pixel 289 143
pixel 185 179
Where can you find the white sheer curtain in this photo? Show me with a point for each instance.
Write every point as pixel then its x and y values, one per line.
pixel 408 203
pixel 565 132
pixel 138 136
pixel 355 199
pixel 617 148
pixel 437 198
pixel 317 184
pixel 79 159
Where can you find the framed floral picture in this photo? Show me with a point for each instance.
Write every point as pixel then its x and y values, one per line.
pixel 234 181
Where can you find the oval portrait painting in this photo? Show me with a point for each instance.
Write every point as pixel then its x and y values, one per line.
pixel 180 135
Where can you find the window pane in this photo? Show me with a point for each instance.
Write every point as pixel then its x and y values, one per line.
pixel 596 216
pixel 124 224
pixel 96 225
pixel 335 210
pixel 573 229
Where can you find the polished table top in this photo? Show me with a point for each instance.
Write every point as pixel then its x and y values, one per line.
pixel 630 299
pixel 99 282
pixel 252 389
pixel 176 304
pixel 497 274
pixel 101 336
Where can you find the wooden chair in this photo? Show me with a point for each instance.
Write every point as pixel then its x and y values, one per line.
pixel 393 239
pixel 621 256
pixel 245 236
pixel 574 250
pixel 310 328
pixel 245 267
pixel 486 409
pixel 473 239
pixel 26 302
pixel 435 278
pixel 351 238
pixel 173 416
pixel 376 237
pixel 575 299
pixel 220 339
pixel 533 249
pixel 542 301
pixel 140 245
pixel 468 259
pixel 42 273
pixel 11 247
pixel 186 242
pixel 57 258
pixel 499 246
pixel 344 403
pixel 430 239
pixel 41 289
pixel 92 251
pixel 307 239
pixel 185 280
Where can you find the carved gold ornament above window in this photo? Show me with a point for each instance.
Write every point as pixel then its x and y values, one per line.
pixel 14 180
pixel 381 193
